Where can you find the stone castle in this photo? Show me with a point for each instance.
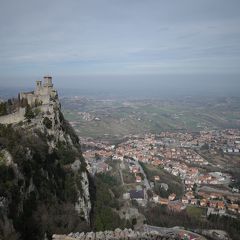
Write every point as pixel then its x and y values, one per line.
pixel 43 94
pixel 45 97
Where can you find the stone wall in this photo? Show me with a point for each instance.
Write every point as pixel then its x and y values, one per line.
pixel 117 234
pixel 15 117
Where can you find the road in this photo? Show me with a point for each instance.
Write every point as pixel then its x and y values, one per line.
pixel 145 180
pixel 161 230
pixel 173 232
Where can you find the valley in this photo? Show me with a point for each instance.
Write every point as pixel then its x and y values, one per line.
pixel 178 160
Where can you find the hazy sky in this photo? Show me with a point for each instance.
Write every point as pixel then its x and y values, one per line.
pixel 118 37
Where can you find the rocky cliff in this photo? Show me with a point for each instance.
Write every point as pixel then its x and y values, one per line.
pixel 44 187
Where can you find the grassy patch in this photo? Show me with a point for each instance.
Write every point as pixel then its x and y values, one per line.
pixel 128 177
pixel 196 212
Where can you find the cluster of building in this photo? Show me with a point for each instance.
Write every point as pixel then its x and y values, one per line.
pixel 227 140
pixel 152 148
pixel 175 153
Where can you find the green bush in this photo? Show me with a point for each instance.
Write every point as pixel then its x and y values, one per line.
pixel 47 123
pixel 3 108
pixel 105 205
pixel 36 111
pixel 65 153
pixel 28 112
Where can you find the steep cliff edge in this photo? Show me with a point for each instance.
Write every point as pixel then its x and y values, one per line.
pixel 44 187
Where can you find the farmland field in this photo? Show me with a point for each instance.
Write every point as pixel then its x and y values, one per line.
pixel 113 119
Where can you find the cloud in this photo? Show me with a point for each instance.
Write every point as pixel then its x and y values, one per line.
pixel 119 37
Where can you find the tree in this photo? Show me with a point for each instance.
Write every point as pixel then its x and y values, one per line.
pixel 134 222
pixel 149 193
pixel 3 108
pixel 47 122
pixel 28 112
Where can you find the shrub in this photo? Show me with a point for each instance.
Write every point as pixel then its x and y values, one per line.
pixel 37 111
pixel 28 112
pixel 47 122
pixel 3 109
pixel 65 153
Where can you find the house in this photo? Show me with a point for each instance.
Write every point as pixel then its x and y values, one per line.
pixel 156 178
pixel 171 197
pixel 204 178
pixel 194 201
pixel 137 194
pixel 156 162
pixel 134 169
pixel 189 181
pixel 155 198
pixel 163 201
pixel 203 202
pixel 212 204
pixel 138 179
pixel 233 207
pixel 189 187
pixel 215 195
pixel 222 212
pixel 229 150
pixel 220 205
pixel 214 181
pixel 234 189
pixel 175 172
pixel 168 169
pixel 189 195
pixel 187 235
pixel 193 171
pixel 185 200
pixel 204 194
pixel 117 157
pixel 176 206
pixel 102 167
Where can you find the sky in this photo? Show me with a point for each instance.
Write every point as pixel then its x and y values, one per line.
pixel 93 39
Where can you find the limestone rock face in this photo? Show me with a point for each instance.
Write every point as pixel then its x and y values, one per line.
pixel 83 204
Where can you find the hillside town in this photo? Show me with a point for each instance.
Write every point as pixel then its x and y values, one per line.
pixel 205 185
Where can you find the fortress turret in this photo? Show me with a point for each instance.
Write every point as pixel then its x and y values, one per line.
pixel 47 81
pixel 38 87
pixel 43 93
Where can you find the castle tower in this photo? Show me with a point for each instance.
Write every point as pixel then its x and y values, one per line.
pixel 47 82
pixel 38 83
pixel 38 87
